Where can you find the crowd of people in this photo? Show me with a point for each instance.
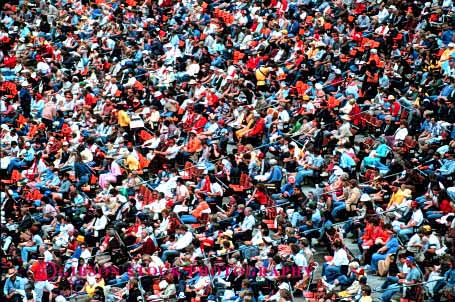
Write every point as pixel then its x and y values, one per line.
pixel 228 151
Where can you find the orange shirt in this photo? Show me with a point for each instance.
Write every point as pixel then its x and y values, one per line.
pixel 39 271
pixel 194 145
pixel 198 211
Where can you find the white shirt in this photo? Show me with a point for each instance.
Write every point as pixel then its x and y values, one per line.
pixel 193 69
pixel 183 241
pixel 433 241
pixel 300 260
pixel 417 216
pixel 172 151
pixel 43 67
pixel 340 257
pixel 216 188
pixel 99 224
pixel 411 246
pixel 248 223
pixel 401 134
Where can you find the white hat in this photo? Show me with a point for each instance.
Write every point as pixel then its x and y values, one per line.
pixel 365 197
pixel 25 83
pixel 451 45
pixel 284 286
pixel 273 162
pixel 5 127
pixel 318 86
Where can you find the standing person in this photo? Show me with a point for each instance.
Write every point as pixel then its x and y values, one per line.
pixel 25 99
pixel 49 113
pixel 41 279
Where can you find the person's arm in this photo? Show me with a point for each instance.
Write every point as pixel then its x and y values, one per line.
pixel 7 288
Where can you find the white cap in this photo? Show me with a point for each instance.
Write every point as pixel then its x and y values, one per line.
pixel 284 286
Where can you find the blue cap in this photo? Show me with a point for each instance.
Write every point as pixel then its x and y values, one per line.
pixel 410 258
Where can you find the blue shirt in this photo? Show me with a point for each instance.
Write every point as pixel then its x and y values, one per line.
pixel 287 188
pixel 450 276
pixel 448 167
pixel 346 161
pixel 10 285
pixel 382 150
pixel 29 155
pixel 392 245
pixel 275 175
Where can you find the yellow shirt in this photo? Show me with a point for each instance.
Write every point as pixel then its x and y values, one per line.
pixel 261 75
pixel 123 119
pixel 396 199
pixel 132 162
pixel 91 289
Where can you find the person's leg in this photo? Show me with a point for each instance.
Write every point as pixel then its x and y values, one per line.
pixel 169 253
pixel 375 260
pixel 300 176
pixel 82 181
pixel 331 273
pixel 24 252
pixel 337 208
pixel 434 214
pixel 188 219
pixel 389 281
pixel 388 294
pixel 39 288
pixel 14 163
pixel 403 234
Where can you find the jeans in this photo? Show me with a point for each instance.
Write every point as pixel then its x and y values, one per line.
pixel 296 218
pixel 404 234
pixel 338 206
pixel 167 252
pixel 434 214
pixel 25 250
pixel 375 260
pixel 390 280
pixel 39 289
pixel 188 219
pixel 300 176
pixel 331 272
pixel 387 295
pixel 82 181
pixel 15 163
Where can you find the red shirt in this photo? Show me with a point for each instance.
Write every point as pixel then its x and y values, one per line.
pixel 39 271
pixel 395 109
pixel 261 198
pixel 445 206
